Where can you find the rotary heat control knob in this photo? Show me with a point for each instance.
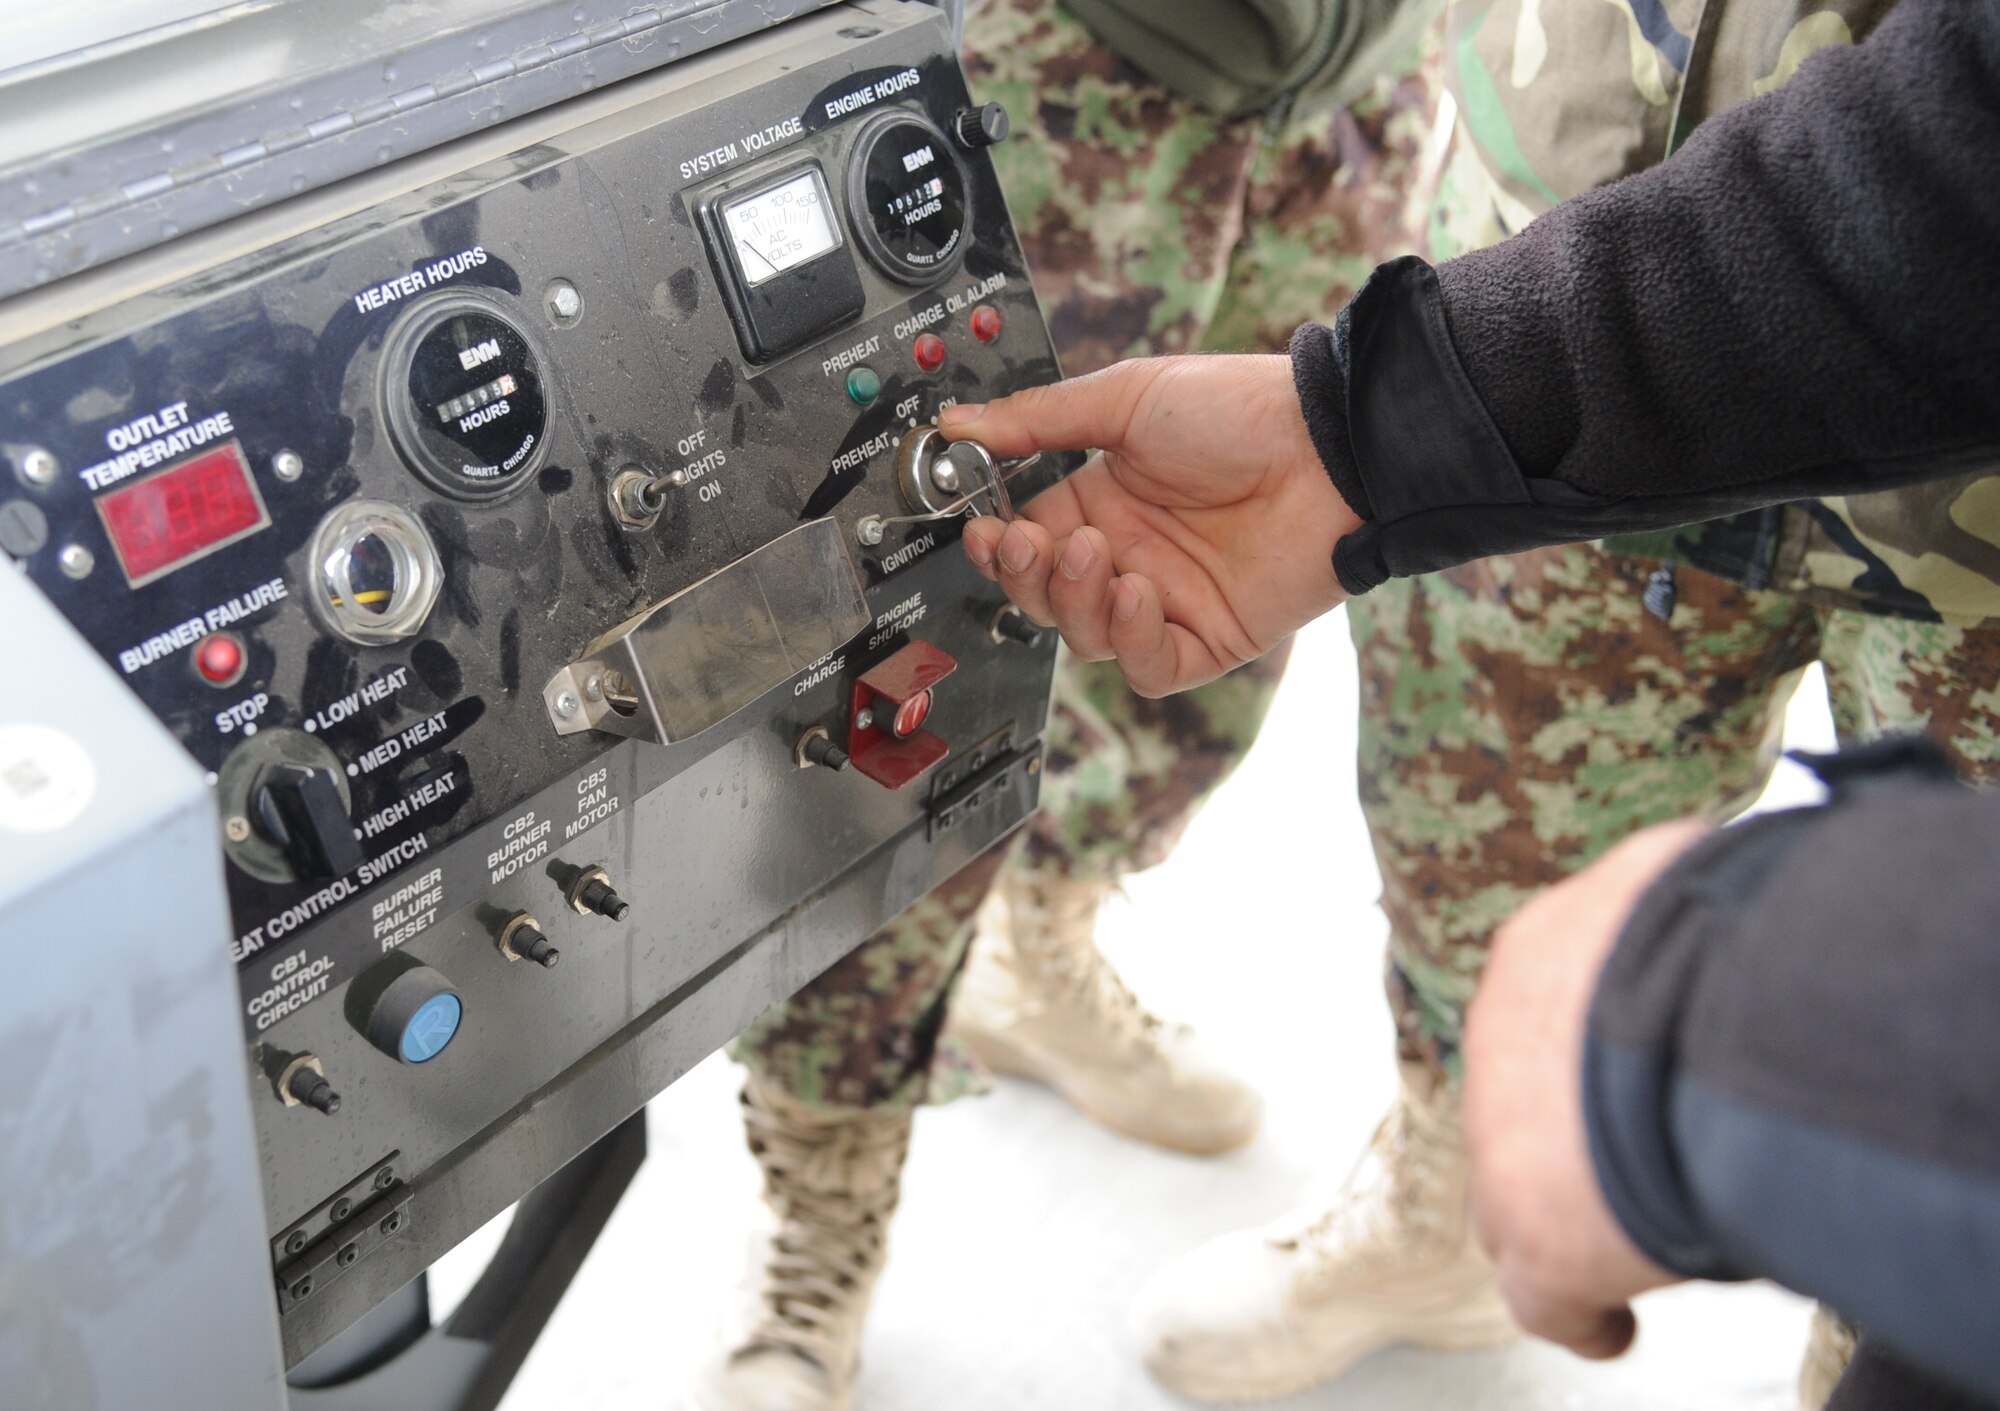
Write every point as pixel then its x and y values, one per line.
pixel 414 1016
pixel 299 807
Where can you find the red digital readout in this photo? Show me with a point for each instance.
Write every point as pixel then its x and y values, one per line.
pixel 180 513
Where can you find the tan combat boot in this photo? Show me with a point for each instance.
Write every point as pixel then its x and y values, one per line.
pixel 831 1183
pixel 1829 1348
pixel 1265 1313
pixel 1039 1001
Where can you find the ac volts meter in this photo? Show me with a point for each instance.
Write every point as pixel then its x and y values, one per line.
pixel 785 268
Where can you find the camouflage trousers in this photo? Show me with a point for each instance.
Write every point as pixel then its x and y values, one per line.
pixel 1150 226
pixel 1521 715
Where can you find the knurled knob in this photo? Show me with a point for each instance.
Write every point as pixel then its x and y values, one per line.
pixel 981 126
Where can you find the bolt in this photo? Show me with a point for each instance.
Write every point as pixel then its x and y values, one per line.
pixel 565 304
pixel 303 1288
pixel 864 719
pixel 76 561
pixel 869 531
pixel 342 1208
pixel 593 689
pixel 385 1178
pixel 24 529
pixel 38 467
pixel 237 829
pixel 296 1242
pixel 567 705
pixel 391 1222
pixel 348 1254
pixel 288 465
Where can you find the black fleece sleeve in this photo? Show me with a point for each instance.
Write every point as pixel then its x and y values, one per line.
pixel 1804 301
pixel 1792 1065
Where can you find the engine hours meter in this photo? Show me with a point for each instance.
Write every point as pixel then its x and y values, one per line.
pixel 466 406
pixel 908 196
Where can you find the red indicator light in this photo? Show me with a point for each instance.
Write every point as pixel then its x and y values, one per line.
pixel 986 323
pixel 929 351
pixel 176 515
pixel 911 714
pixel 219 659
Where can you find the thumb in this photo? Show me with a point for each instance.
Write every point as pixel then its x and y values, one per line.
pixel 1082 414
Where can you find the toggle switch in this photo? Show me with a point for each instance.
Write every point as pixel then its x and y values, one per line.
pixel 885 734
pixel 299 807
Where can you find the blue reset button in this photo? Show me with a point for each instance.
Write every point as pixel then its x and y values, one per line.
pixel 431 1028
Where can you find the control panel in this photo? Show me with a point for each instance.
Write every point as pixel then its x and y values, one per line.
pixel 544 548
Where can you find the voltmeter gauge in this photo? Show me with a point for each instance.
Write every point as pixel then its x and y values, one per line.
pixel 907 191
pixel 463 388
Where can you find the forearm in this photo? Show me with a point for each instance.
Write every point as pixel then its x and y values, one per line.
pixel 1798 304
pixel 1790 1067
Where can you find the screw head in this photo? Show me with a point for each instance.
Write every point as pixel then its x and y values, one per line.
pixel 39 468
pixel 593 689
pixel 288 465
pixel 864 719
pixel 76 561
pixel 567 705
pixel 296 1243
pixel 869 530
pixel 564 303
pixel 236 828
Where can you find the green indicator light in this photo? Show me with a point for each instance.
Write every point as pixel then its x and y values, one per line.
pixel 863 386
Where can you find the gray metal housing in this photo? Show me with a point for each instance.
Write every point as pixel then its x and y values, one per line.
pixel 133 1270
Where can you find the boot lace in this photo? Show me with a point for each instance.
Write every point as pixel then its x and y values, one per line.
pixel 1397 1198
pixel 1053 928
pixel 833 1185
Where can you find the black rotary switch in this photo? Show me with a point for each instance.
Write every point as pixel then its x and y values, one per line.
pixel 299 807
pixel 982 126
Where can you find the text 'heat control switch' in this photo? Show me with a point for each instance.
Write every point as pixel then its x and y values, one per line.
pixel 885 734
pixel 299 807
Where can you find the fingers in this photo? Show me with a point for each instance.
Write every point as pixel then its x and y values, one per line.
pixel 1080 414
pixel 1594 1332
pixel 1025 556
pixel 1158 657
pixel 1080 594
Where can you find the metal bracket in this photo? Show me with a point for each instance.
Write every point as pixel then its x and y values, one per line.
pixel 696 658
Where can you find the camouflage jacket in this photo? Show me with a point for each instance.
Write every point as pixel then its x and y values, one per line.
pixel 1557 97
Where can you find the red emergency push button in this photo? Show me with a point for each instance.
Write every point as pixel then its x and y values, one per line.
pixel 219 659
pixel 885 736
pixel 929 351
pixel 986 323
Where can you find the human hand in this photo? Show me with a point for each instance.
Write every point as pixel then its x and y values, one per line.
pixel 1198 538
pixel 1568 1271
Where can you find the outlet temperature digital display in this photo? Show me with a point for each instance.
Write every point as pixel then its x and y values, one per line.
pixel 177 515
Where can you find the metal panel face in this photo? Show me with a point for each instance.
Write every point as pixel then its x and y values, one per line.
pixel 132 1268
pixel 508 589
